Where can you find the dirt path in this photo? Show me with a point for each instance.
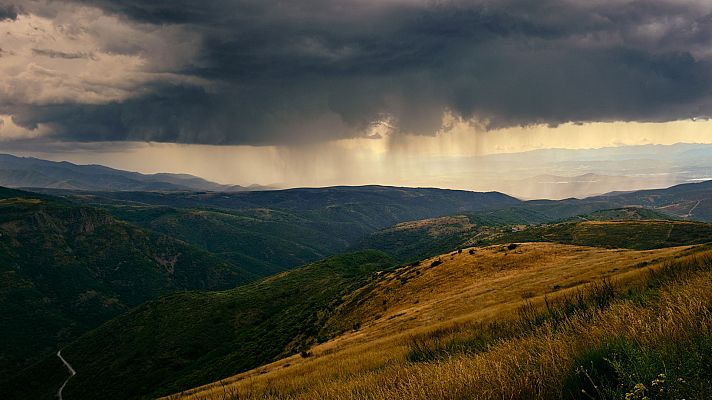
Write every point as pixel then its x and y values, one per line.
pixel 71 370
pixel 689 213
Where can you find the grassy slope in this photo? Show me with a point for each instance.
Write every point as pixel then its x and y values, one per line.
pixel 690 201
pixel 490 280
pixel 67 268
pixel 624 234
pixel 191 338
pixel 465 316
pixel 415 240
pixel 623 214
pixel 635 228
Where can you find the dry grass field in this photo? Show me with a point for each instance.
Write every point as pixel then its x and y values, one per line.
pixel 500 322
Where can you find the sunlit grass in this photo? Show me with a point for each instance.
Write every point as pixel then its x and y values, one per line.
pixel 598 340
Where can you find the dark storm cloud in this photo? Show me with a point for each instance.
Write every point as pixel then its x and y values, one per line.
pixel 60 54
pixel 8 11
pixel 312 70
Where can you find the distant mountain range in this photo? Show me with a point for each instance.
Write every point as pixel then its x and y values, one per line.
pixel 564 173
pixel 580 186
pixel 539 174
pixel 28 172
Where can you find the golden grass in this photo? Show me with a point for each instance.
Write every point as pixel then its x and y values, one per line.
pixel 482 286
pixel 455 298
pixel 436 226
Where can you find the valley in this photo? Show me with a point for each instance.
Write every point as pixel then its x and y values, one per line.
pixel 270 285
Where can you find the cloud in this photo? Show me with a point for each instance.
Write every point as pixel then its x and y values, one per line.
pixel 273 72
pixel 8 11
pixel 11 132
pixel 78 56
pixel 60 54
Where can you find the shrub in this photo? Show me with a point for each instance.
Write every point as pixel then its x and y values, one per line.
pixel 593 372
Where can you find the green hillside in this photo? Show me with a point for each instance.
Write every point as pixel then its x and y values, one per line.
pixel 186 339
pixel 376 205
pixel 415 240
pixel 263 241
pixel 634 228
pixel 272 231
pixel 67 268
pixel 689 201
pixel 623 214
pixel 638 235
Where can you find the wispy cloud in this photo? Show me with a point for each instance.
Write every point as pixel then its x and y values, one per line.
pixel 60 54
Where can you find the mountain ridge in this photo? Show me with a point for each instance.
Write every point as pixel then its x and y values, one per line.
pixel 31 172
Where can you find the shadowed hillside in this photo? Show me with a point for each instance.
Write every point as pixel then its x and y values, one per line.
pixel 611 234
pixel 278 230
pixel 635 228
pixel 264 241
pixel 67 268
pixel 186 339
pixel 689 201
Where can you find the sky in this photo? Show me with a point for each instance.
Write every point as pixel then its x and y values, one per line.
pixel 317 92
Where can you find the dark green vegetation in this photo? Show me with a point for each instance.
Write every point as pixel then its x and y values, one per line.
pixel 623 214
pixel 67 268
pixel 68 265
pixel 409 242
pixel 263 241
pixel 690 201
pixel 639 235
pixel 634 228
pixel 416 240
pixel 277 230
pixel 368 202
pixel 188 339
pixel 671 369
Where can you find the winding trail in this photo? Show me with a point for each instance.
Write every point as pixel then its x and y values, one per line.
pixel 72 372
pixel 689 213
